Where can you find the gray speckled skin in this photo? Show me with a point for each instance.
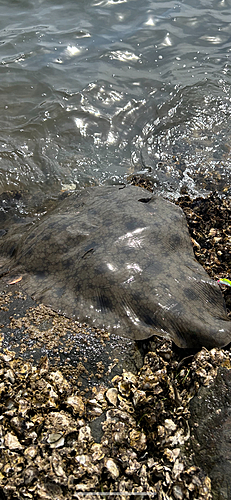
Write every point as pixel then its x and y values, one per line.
pixel 122 259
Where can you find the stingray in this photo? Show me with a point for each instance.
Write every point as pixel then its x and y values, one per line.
pixel 121 259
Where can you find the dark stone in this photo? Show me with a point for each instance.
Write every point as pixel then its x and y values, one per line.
pixel 211 433
pixel 96 427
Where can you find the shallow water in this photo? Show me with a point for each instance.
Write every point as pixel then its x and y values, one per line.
pixel 93 91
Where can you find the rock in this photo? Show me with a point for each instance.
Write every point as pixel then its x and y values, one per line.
pixel 211 433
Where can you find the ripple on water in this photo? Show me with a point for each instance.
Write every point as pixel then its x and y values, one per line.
pixel 93 90
pixel 187 145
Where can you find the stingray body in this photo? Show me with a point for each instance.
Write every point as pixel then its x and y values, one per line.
pixel 122 259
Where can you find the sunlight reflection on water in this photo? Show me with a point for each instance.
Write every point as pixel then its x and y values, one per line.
pixel 93 91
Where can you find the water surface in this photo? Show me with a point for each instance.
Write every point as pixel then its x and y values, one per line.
pixel 93 91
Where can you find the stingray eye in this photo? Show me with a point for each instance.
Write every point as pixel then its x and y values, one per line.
pixel 145 200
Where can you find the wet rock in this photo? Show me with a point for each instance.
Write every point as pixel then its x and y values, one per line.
pixel 96 428
pixel 211 433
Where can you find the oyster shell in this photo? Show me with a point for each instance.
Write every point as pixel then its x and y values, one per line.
pixel 49 450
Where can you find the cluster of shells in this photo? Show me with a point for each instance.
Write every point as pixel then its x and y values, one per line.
pixel 129 439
